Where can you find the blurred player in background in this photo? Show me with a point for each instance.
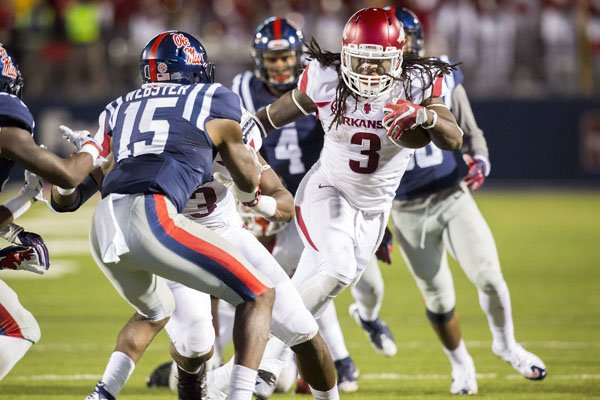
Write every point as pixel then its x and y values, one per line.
pixel 343 202
pixel 18 328
pixel 164 137
pixel 434 212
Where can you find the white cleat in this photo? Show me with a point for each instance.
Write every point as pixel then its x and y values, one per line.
pixel 464 380
pixel 526 363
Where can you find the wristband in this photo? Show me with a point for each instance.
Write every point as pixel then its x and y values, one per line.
pixel 267 206
pixel 269 118
pixel 64 192
pixel 91 149
pixel 19 204
pixel 433 121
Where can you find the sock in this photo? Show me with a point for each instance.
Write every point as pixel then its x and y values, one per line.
pixel 117 372
pixel 243 380
pixel 218 379
pixel 459 357
pixel 331 332
pixel 498 310
pixel 11 351
pixel 368 292
pixel 275 355
pixel 331 394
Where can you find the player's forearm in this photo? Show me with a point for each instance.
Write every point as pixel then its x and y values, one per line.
pixel 72 199
pixel 285 206
pixel 242 166
pixel 288 108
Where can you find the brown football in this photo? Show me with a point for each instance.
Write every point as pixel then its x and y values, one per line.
pixel 413 138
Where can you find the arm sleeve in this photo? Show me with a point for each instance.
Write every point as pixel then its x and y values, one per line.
pixel 85 190
pixel 473 141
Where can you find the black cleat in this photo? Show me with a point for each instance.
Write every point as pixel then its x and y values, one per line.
pixel 192 386
pixel 160 376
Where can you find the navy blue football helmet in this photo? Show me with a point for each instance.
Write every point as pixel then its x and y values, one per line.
pixel 278 34
pixel 415 43
pixel 11 80
pixel 176 57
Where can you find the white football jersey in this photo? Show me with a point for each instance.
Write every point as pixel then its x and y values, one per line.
pixel 212 205
pixel 357 156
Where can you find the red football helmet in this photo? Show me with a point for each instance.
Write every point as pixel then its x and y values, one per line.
pixel 372 47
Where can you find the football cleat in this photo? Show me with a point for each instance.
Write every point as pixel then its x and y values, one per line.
pixel 379 334
pixel 464 380
pixel 265 384
pixel 526 363
pixel 347 375
pixel 100 393
pixel 160 376
pixel 192 386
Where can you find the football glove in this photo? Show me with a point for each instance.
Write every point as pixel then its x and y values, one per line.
pixel 34 240
pixel 402 115
pixel 384 251
pixel 478 170
pixel 246 198
pixel 33 186
pixel 85 142
pixel 25 258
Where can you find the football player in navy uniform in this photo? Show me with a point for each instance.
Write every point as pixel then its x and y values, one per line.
pixel 164 137
pixel 18 328
pixel 434 212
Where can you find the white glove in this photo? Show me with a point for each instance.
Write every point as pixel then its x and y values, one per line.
pixel 246 198
pixel 77 138
pixel 84 142
pixel 34 186
pixel 24 258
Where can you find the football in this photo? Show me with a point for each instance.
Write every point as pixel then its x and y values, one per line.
pixel 412 138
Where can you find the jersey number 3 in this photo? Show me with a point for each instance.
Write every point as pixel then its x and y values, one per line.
pixel 372 143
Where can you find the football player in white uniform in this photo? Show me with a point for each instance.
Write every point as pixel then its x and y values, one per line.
pixel 373 107
pixel 434 212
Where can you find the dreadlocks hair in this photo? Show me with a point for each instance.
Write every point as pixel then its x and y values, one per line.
pixel 428 67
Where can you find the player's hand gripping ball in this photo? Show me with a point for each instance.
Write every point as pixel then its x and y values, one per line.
pixel 402 120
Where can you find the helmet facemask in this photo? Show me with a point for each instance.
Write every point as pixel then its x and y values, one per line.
pixel 368 69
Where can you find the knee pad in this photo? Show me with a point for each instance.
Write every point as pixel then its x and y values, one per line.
pixel 490 281
pixel 440 302
pixel 196 340
pixel 292 322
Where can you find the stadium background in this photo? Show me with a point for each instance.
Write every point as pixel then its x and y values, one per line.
pixel 532 70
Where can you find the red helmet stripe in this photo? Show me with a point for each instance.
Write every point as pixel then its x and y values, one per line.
pixel 277 28
pixel 152 56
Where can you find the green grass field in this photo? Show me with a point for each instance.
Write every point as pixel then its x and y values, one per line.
pixel 549 245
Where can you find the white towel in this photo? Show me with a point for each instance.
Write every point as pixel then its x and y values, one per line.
pixel 110 237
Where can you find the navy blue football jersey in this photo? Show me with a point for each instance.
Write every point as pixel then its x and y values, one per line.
pixel 13 112
pixel 290 150
pixel 431 169
pixel 159 141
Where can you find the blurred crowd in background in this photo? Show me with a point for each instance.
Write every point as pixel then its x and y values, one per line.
pixel 77 50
